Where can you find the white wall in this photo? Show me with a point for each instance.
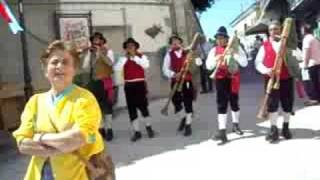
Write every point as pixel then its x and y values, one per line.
pixel 39 15
pixel 240 27
pixel 37 19
pixel 137 17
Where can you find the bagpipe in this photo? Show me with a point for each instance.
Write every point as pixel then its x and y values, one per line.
pixel 227 57
pixel 183 72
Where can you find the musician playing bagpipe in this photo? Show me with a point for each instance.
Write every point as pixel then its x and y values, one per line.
pixel 133 65
pixel 225 59
pixel 274 51
pixel 97 69
pixel 174 68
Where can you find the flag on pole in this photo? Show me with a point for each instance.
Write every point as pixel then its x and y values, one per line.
pixel 4 14
pixel 8 16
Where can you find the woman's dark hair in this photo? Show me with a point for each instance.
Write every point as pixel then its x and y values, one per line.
pixel 308 28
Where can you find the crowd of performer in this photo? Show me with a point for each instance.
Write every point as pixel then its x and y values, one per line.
pixel 99 64
pixel 63 128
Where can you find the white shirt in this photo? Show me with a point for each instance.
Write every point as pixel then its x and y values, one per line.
pixel 86 65
pixel 311 45
pixel 142 61
pixel 240 57
pixel 276 46
pixel 110 55
pixel 261 55
pixel 166 68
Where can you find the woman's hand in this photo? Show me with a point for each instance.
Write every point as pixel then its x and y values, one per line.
pixel 66 142
pixel 34 148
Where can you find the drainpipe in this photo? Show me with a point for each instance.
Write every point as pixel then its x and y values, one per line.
pixel 28 89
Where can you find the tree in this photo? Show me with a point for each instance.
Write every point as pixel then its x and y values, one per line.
pixel 202 5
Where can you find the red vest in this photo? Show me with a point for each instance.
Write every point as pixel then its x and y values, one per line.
pixel 223 73
pixel 223 69
pixel 270 58
pixel 177 63
pixel 133 71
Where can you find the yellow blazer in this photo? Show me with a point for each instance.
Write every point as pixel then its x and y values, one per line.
pixel 75 106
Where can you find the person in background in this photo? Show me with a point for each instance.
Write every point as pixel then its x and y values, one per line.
pixel 227 83
pixel 264 63
pixel 173 63
pixel 311 63
pixel 133 65
pixel 101 59
pixel 206 82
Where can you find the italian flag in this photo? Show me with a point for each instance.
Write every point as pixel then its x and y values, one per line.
pixel 7 15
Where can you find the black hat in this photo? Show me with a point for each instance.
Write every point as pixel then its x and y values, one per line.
pixel 98 35
pixel 222 31
pixel 175 37
pixel 130 40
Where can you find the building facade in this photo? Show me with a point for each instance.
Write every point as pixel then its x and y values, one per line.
pixel 150 22
pixel 242 22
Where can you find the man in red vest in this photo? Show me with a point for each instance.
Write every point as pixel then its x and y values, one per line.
pixel 173 62
pixel 265 60
pixel 133 66
pixel 227 83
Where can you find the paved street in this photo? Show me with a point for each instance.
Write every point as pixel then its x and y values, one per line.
pixel 172 156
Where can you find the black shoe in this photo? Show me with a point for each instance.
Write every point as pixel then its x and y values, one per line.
pixel 273 136
pixel 182 124
pixel 311 103
pixel 236 129
pixel 222 135
pixel 102 132
pixel 150 131
pixel 137 136
pixel 286 133
pixel 188 130
pixel 109 135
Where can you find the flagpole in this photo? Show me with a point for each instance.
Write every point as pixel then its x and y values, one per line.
pixel 28 89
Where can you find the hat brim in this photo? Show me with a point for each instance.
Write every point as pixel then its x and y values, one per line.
pixel 136 44
pixel 222 34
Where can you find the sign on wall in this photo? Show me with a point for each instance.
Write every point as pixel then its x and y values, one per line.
pixel 74 27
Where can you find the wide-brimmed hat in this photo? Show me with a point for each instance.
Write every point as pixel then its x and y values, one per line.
pixel 175 36
pixel 130 40
pixel 222 31
pixel 98 35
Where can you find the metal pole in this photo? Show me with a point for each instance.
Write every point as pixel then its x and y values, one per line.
pixel 28 89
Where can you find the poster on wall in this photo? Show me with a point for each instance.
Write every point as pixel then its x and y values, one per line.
pixel 74 28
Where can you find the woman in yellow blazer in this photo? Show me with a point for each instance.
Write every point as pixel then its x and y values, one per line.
pixel 59 122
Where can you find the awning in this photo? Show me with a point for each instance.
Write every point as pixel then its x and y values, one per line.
pixel 259 28
pixel 303 9
pixel 270 10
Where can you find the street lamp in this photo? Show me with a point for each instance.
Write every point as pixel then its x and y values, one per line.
pixel 28 89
